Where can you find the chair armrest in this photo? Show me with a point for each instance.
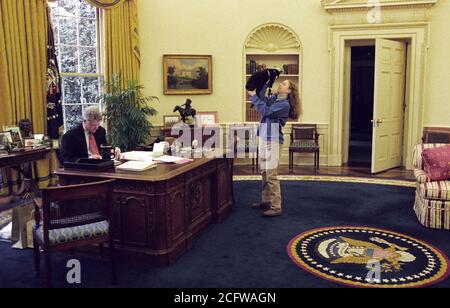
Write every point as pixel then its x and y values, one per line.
pixel 317 137
pixel 421 176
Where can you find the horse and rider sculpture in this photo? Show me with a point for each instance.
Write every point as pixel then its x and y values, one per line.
pixel 185 112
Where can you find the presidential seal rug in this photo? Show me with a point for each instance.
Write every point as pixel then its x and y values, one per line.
pixel 368 257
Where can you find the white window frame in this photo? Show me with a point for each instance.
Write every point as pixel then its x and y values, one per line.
pixel 99 63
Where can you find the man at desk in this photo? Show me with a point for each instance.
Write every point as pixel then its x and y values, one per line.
pixel 85 139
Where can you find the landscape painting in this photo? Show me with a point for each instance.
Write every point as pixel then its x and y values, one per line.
pixel 187 74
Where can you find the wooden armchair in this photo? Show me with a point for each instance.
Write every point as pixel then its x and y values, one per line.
pixel 244 139
pixel 304 139
pixel 73 216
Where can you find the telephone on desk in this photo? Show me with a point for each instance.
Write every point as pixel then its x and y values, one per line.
pixel 149 147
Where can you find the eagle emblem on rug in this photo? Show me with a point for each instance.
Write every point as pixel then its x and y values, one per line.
pixel 350 251
pixel 368 257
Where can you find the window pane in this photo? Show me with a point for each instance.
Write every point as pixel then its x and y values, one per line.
pixel 75 32
pixel 67 8
pixel 72 116
pixel 53 9
pixel 55 29
pixel 86 10
pixel 68 31
pixel 90 90
pixel 88 60
pixel 88 32
pixel 72 90
pixel 69 59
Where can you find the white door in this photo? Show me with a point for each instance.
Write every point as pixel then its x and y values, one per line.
pixel 389 95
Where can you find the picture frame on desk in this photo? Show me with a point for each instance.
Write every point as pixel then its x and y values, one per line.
pixel 187 74
pixel 5 138
pixel 207 118
pixel 15 135
pixel 171 120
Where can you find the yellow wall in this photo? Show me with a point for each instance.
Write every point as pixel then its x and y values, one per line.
pixel 220 27
pixel 437 108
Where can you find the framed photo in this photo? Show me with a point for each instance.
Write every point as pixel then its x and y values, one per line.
pixel 187 74
pixel 170 120
pixel 5 138
pixel 207 118
pixel 15 135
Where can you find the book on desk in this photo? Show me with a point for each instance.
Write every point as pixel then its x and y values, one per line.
pixel 134 165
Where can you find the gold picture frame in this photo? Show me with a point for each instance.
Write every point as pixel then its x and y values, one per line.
pixel 5 138
pixel 170 120
pixel 187 74
pixel 16 135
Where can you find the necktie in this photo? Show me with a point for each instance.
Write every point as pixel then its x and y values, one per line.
pixel 93 145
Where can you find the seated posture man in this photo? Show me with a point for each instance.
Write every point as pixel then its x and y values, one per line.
pixel 85 139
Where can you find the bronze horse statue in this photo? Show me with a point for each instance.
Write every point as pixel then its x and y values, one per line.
pixel 185 112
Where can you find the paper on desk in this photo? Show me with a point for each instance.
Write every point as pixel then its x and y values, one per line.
pixel 173 159
pixel 138 156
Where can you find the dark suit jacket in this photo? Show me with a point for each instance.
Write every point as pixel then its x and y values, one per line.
pixel 73 143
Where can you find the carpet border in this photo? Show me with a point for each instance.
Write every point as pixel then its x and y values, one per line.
pixel 328 178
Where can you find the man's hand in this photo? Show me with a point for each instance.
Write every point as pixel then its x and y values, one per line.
pixel 251 93
pixel 95 157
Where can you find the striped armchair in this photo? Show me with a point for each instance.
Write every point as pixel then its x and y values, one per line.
pixel 432 204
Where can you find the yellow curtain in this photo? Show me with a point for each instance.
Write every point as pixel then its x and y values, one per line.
pixel 121 37
pixel 23 68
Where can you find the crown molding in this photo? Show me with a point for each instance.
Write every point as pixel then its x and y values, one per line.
pixel 346 5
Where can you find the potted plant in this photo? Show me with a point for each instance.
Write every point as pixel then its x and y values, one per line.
pixel 126 112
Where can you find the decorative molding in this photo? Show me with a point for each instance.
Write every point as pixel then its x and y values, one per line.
pixel 376 12
pixel 272 37
pixel 360 5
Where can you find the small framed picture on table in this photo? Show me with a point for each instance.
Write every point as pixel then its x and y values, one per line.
pixel 5 138
pixel 15 135
pixel 207 118
pixel 171 120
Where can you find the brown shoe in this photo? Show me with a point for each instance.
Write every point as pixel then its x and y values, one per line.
pixel 261 206
pixel 272 212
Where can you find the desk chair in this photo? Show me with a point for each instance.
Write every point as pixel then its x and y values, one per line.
pixel 73 216
pixel 245 140
pixel 304 139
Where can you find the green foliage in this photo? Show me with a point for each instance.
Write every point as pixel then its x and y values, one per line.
pixel 126 113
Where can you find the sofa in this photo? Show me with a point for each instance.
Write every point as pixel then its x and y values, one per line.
pixel 432 201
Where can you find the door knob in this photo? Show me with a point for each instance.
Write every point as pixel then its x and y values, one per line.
pixel 377 122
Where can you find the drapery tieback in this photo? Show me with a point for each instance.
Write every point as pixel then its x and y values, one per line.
pixel 105 4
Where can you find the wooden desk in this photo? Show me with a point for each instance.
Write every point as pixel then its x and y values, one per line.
pixel 20 161
pixel 23 157
pixel 156 213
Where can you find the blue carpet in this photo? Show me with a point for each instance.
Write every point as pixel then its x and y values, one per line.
pixel 247 250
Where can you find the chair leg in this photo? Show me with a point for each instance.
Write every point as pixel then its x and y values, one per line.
pixel 318 160
pixel 290 161
pixel 37 257
pixel 48 269
pixel 113 261
pixel 100 250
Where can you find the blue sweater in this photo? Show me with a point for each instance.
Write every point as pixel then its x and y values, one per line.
pixel 272 111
